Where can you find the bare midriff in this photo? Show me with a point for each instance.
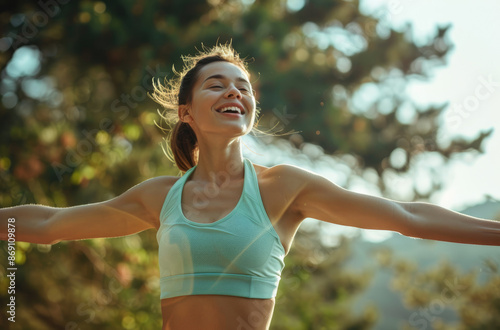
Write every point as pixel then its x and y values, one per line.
pixel 216 312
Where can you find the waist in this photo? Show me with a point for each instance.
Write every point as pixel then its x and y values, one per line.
pixel 239 285
pixel 217 312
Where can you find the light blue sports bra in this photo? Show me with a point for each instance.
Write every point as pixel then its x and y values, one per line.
pixel 238 255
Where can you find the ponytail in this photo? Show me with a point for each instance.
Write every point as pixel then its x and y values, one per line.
pixel 183 146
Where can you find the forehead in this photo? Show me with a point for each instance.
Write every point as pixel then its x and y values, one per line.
pixel 226 69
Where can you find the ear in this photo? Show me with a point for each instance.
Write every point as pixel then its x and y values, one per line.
pixel 183 113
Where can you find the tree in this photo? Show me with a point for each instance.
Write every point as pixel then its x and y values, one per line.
pixel 445 289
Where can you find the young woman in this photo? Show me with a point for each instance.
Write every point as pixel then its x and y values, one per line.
pixel 226 225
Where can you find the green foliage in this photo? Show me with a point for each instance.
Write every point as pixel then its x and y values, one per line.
pixel 473 297
pixel 100 283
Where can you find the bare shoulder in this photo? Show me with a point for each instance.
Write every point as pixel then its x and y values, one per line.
pixel 284 183
pixel 151 194
pixel 289 175
pixel 280 188
pixel 158 182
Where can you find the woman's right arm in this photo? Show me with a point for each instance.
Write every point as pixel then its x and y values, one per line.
pixel 135 210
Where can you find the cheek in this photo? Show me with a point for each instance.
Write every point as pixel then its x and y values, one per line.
pixel 251 104
pixel 204 102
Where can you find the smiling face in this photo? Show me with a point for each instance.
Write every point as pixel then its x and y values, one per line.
pixel 222 101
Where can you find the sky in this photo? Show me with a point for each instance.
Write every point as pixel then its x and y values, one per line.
pixel 469 83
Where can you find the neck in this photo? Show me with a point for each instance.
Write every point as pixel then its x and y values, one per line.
pixel 219 161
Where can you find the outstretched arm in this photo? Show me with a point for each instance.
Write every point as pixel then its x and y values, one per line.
pixel 323 200
pixel 135 210
pixel 437 223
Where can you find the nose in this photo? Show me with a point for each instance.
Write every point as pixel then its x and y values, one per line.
pixel 233 92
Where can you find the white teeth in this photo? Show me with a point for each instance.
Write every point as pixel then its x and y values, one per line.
pixel 230 108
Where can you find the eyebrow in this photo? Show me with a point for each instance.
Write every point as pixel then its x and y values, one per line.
pixel 219 76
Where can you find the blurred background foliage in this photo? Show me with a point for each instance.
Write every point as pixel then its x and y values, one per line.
pixel 473 297
pixel 78 127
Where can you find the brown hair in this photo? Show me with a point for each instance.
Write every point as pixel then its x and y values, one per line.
pixel 181 140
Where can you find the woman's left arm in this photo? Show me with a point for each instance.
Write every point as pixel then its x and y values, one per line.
pixel 319 198
pixel 437 223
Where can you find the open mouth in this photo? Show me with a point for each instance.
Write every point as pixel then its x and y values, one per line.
pixel 234 109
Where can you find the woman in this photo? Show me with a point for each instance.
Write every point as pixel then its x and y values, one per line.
pixel 225 227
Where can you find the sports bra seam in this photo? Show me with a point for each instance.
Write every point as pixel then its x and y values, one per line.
pixel 168 198
pixel 257 199
pixel 220 274
pixel 268 224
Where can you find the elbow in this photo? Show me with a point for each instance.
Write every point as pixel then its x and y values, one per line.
pixel 48 238
pixel 51 239
pixel 411 224
pixel 50 230
pixel 41 239
pixel 47 234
